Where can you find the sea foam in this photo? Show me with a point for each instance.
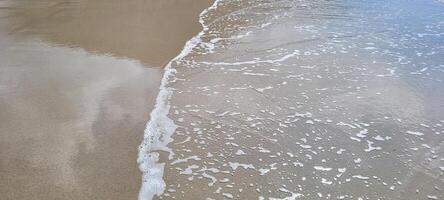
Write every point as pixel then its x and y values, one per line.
pixel 160 128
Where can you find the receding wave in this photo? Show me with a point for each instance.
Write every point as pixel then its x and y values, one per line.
pixel 159 129
pixel 306 99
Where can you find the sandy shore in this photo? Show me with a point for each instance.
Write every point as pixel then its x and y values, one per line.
pixel 77 84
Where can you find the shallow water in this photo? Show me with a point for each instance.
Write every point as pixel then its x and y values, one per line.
pixel 311 100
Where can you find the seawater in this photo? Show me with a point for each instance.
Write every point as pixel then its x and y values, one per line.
pixel 302 99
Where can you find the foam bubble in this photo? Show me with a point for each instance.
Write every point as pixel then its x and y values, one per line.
pixel 160 128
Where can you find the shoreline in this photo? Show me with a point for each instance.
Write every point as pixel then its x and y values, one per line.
pixel 160 128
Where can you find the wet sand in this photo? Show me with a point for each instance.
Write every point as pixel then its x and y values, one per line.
pixel 77 82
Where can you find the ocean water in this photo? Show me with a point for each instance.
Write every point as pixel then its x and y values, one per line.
pixel 303 99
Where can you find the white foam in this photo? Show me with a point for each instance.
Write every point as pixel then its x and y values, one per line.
pixel 212 178
pixel 326 182
pixel 160 128
pixel 362 133
pixel 371 147
pixel 263 89
pixel 240 152
pixel 415 133
pixel 228 195
pixel 321 168
pixel 185 159
pixel 235 165
pixel 263 171
pixel 361 177
pixel 257 61
pixel 292 196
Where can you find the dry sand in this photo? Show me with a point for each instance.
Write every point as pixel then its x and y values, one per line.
pixel 77 84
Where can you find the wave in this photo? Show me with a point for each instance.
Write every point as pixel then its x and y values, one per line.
pixel 160 127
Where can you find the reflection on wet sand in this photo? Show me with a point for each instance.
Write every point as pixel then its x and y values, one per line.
pixel 76 89
pixel 71 122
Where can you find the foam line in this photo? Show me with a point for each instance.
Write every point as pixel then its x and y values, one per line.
pixel 160 127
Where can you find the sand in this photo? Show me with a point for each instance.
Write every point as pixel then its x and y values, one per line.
pixel 77 83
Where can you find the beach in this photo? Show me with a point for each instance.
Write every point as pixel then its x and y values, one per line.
pixel 224 99
pixel 78 80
